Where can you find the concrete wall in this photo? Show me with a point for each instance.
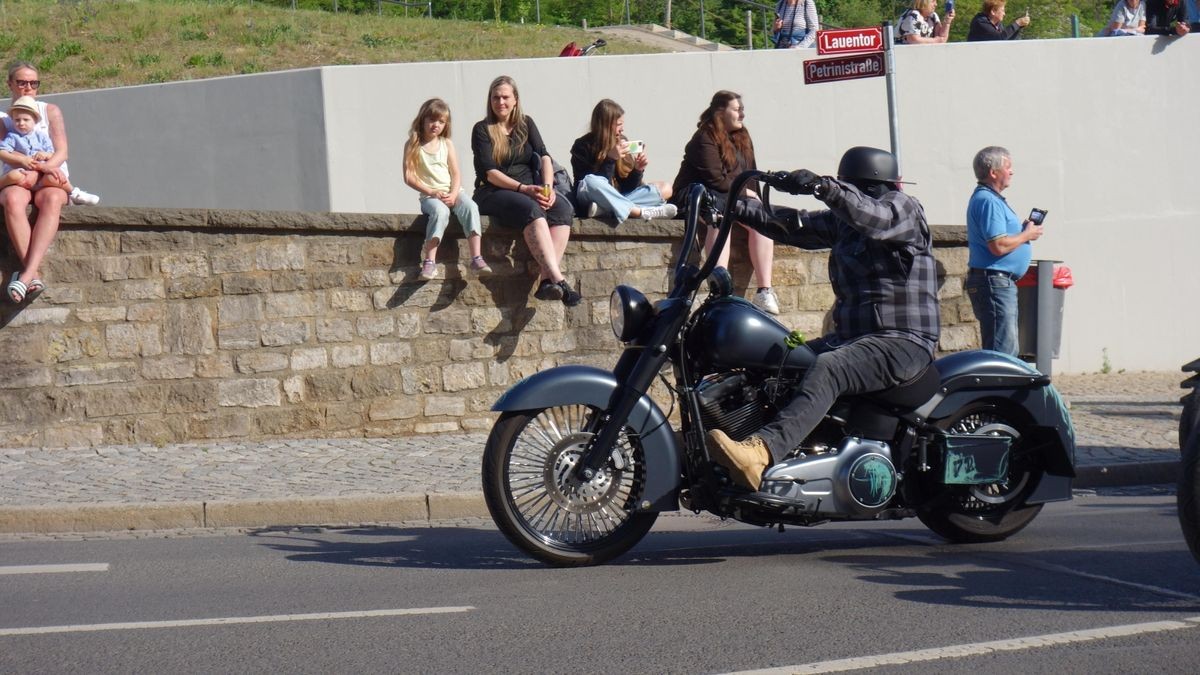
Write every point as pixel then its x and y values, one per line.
pixel 1096 127
pixel 166 325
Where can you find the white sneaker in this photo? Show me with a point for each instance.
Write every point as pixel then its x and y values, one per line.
pixel 767 301
pixel 664 211
pixel 84 198
pixel 593 209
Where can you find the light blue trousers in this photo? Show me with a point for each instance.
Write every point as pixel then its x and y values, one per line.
pixel 439 216
pixel 596 189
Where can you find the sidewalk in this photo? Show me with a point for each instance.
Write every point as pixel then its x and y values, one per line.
pixel 1126 426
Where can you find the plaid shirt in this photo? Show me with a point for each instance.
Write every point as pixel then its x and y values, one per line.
pixel 881 264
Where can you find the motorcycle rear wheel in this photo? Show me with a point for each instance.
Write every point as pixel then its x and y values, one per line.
pixel 1188 494
pixel 538 504
pixel 994 511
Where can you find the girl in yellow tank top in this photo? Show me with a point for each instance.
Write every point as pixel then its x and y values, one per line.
pixel 431 168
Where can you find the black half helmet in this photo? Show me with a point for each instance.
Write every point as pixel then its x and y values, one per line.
pixel 868 164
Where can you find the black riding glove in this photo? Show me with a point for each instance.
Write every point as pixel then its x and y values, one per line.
pixel 803 182
pixel 800 182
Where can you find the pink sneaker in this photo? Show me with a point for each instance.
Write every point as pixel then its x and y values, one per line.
pixel 428 270
pixel 479 266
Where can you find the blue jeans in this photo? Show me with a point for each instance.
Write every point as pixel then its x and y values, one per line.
pixel 994 300
pixel 596 189
pixel 438 215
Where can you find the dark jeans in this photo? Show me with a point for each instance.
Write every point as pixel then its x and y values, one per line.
pixel 866 364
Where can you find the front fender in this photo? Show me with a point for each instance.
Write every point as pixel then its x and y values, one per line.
pixel 586 385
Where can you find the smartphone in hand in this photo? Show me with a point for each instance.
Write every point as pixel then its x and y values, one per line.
pixel 1037 216
pixel 949 6
pixel 635 147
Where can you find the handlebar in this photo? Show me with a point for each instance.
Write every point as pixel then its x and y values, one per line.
pixel 727 219
pixel 700 200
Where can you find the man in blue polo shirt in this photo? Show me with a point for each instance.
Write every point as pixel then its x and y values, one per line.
pixel 999 251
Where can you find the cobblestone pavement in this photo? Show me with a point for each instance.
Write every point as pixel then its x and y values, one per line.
pixel 1126 426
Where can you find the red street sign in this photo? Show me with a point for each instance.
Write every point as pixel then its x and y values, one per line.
pixel 843 68
pixel 849 40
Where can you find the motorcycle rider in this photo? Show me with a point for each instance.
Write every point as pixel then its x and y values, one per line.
pixel 886 313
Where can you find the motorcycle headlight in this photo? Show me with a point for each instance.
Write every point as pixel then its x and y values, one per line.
pixel 628 310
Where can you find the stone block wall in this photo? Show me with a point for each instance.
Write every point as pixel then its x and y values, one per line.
pixel 161 326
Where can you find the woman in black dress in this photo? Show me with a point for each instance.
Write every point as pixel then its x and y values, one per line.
pixel 513 183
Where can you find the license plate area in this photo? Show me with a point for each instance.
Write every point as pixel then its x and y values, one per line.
pixel 975 460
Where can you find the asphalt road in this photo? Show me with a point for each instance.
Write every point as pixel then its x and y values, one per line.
pixel 1101 584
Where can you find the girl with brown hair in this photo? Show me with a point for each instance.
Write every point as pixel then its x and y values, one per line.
pixel 720 150
pixel 608 171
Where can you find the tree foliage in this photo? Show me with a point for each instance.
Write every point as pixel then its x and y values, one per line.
pixel 725 20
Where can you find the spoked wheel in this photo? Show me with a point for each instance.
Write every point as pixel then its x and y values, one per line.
pixel 535 499
pixel 1188 495
pixel 992 511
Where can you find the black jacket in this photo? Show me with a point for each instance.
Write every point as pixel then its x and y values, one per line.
pixel 983 29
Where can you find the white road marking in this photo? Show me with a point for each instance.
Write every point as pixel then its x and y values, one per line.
pixel 53 569
pixel 980 648
pixel 229 620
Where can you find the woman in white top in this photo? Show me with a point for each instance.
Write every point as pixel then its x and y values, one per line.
pixel 431 168
pixel 920 25
pixel 1128 18
pixel 31 241
pixel 796 24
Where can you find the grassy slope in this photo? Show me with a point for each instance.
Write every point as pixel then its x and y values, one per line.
pixel 92 44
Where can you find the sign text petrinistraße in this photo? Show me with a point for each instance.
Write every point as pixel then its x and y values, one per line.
pixel 845 68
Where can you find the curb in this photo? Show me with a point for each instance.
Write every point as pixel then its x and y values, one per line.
pixel 64 518
pixel 1125 475
pixel 433 506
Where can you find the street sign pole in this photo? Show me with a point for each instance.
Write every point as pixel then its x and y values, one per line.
pixel 889 42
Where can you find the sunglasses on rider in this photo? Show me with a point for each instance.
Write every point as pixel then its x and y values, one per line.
pixel 32 84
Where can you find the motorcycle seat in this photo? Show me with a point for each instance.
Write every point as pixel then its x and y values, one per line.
pixel 911 394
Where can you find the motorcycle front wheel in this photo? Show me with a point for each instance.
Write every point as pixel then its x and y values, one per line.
pixel 536 501
pixel 992 511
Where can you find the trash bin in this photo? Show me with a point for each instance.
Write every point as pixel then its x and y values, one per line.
pixel 1027 309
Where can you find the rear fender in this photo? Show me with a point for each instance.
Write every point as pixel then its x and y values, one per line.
pixel 973 376
pixel 586 385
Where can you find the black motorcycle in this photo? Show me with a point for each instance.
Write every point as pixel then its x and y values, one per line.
pixel 1188 495
pixel 581 460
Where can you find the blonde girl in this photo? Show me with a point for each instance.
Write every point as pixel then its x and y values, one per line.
pixel 431 168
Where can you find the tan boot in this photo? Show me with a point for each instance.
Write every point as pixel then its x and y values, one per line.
pixel 746 460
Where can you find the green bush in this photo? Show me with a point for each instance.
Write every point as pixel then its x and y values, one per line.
pixel 213 59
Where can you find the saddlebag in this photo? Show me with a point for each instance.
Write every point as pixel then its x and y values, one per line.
pixel 974 460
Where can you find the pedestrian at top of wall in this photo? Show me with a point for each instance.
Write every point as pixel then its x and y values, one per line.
pixel 1166 17
pixel 988 24
pixel 1128 18
pixel 999 249
pixel 796 24
pixel 920 25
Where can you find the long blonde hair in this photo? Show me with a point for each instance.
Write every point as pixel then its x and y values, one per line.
pixel 604 116
pixel 501 152
pixel 434 108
